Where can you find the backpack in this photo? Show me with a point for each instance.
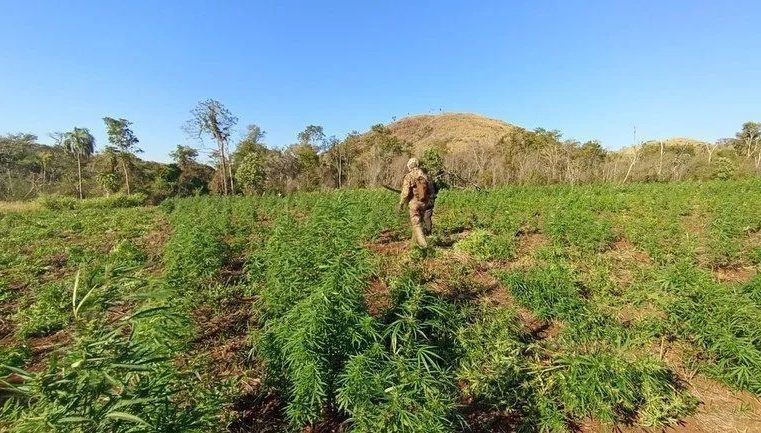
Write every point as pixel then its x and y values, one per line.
pixel 422 188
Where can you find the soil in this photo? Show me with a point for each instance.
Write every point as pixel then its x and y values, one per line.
pixel 223 335
pixel 734 274
pixel 377 297
pixel 42 346
pixel 153 242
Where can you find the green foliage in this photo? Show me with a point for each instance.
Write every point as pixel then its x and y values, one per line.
pixel 484 245
pixel 612 389
pixel 720 320
pixel 314 313
pixel 114 201
pixel 48 313
pixel 196 252
pixel 250 174
pixel 403 383
pixel 492 363
pixel 442 348
pixel 109 381
pixel 724 169
pixel 551 292
pixel 14 355
pixel 573 223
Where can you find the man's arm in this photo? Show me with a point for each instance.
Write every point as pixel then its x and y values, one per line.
pixel 405 193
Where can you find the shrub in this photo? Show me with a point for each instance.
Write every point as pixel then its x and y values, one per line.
pixel 52 202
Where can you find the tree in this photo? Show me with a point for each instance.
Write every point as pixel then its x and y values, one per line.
pixel 212 118
pixel 748 137
pixel 251 143
pixel 45 158
pixel 250 173
pixel 312 135
pixel 123 139
pixel 193 178
pixel 339 156
pixel 433 164
pixel 184 156
pixel 81 144
pixel 109 182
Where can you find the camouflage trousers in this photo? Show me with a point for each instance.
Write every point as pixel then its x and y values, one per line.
pixel 420 219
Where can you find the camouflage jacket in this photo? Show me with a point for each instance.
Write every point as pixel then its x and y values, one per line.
pixel 408 188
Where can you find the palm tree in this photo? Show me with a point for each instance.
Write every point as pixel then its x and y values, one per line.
pixel 82 144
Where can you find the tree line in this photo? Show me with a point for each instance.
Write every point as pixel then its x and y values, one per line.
pixel 73 167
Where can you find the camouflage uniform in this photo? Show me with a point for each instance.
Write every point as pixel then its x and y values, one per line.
pixel 420 212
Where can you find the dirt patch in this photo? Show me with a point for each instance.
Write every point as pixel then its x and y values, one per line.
pixel 259 411
pixel 527 243
pixel 233 271
pixel 390 248
pixel 42 346
pixel 223 336
pixel 264 412
pixel 483 419
pixel 153 242
pixel 622 249
pixel 721 409
pixel 377 297
pixel 734 274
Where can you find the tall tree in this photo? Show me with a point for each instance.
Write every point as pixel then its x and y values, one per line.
pixel 312 135
pixel 123 139
pixel 81 144
pixel 211 118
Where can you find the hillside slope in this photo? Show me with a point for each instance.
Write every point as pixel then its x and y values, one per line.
pixel 455 130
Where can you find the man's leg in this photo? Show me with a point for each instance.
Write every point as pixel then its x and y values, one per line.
pixel 427 223
pixel 416 220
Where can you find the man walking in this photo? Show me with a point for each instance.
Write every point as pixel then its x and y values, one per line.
pixel 419 194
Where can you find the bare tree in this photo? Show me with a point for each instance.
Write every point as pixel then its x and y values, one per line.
pixel 660 159
pixel 635 154
pixel 212 118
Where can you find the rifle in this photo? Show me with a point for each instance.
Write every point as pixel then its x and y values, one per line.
pixel 392 189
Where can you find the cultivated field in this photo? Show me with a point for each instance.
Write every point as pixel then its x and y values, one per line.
pixel 537 309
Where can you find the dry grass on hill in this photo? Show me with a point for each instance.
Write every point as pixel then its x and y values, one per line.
pixel 455 130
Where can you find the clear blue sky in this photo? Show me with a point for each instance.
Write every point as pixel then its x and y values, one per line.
pixel 592 69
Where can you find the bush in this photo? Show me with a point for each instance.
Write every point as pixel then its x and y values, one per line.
pixel 115 201
pixel 52 202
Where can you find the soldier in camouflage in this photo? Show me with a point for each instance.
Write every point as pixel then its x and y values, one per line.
pixel 419 193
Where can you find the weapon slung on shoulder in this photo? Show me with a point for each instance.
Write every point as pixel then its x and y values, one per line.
pixel 392 189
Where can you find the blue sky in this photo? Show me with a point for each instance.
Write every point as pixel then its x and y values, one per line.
pixel 592 69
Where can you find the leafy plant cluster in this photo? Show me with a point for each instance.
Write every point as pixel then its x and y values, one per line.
pixel 720 320
pixel 113 201
pixel 116 376
pixel 590 369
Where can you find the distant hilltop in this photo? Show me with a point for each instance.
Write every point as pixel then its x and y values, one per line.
pixel 456 131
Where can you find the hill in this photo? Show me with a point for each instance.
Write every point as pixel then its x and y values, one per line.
pixel 455 130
